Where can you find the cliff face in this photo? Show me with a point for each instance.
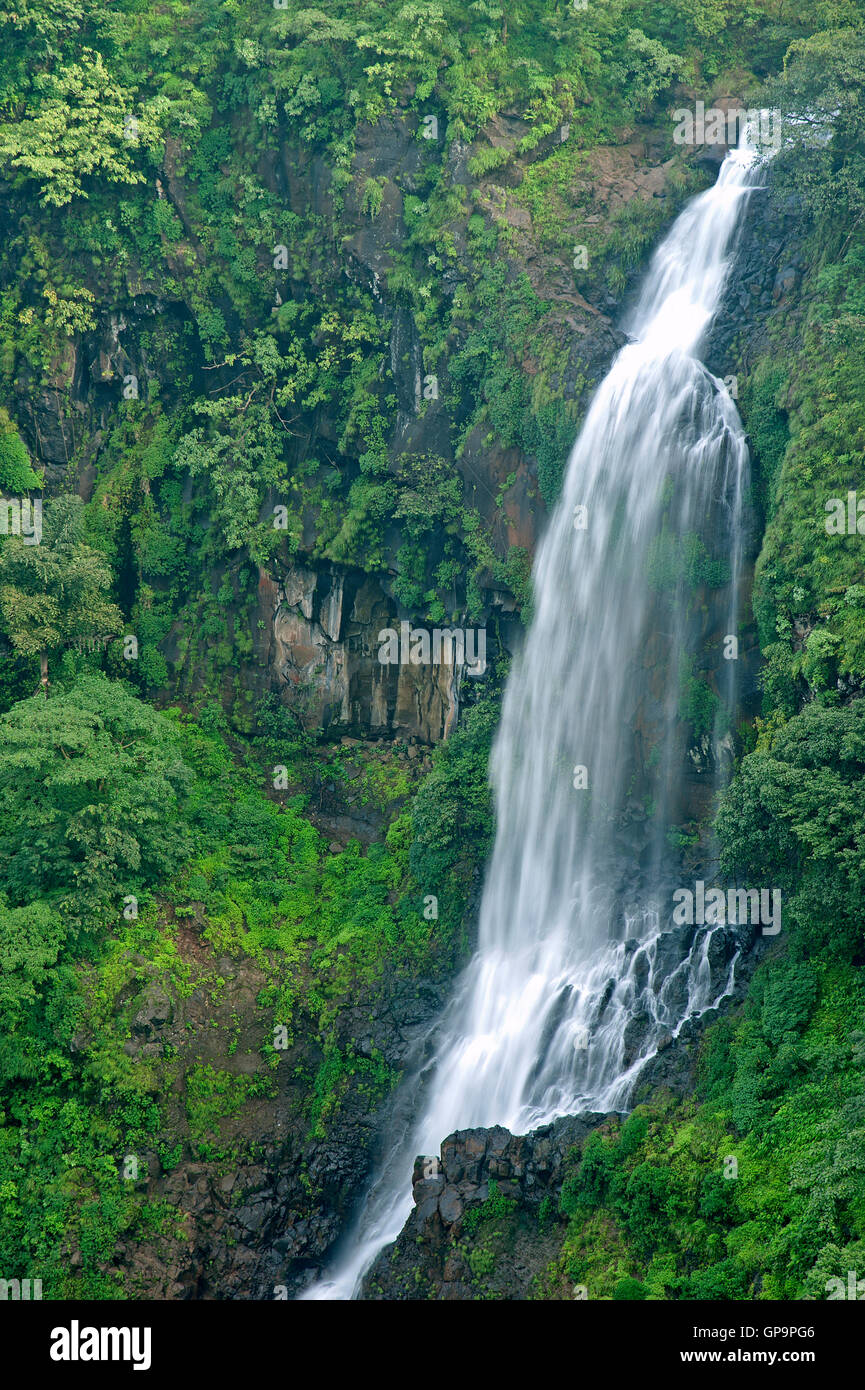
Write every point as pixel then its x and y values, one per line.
pixel 314 632
pixel 257 1197
pixel 332 657
pixel 316 628
pixel 321 645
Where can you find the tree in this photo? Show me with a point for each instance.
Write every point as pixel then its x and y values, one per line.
pixel 92 783
pixel 54 593
pixel 793 819
pixel 72 129
pixel 31 939
pixel 821 96
pixel 16 473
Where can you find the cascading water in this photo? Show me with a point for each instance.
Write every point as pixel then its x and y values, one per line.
pixel 577 974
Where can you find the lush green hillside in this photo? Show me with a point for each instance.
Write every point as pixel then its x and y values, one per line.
pixel 239 244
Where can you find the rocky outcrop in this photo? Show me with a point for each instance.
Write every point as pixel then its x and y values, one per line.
pixel 485 1222
pixel 325 647
pixel 763 283
pixel 259 1192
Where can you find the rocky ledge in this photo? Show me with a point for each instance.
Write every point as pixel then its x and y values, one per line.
pixel 490 1193
pixel 486 1221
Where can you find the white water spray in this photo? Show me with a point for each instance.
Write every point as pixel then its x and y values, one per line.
pixel 577 975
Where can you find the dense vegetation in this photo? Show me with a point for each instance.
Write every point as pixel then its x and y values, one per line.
pixel 181 353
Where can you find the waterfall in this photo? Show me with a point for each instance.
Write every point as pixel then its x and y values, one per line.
pixel 578 973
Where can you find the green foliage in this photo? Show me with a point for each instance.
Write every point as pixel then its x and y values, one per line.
pixel 823 78
pixel 496 1207
pixel 92 782
pixel 55 592
pixel 72 131
pixel 768 429
pixel 629 1291
pixel 805 573
pixel 106 797
pixel 146 153
pixel 453 808
pixel 31 939
pixel 793 817
pixel 213 1096
pixel 781 1086
pixel 16 472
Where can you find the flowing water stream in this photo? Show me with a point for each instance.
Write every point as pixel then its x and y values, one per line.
pixel 578 973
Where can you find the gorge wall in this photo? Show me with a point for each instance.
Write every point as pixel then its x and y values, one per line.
pixel 489 1223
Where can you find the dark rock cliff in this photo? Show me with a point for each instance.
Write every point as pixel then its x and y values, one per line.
pixel 485 1222
pixel 315 628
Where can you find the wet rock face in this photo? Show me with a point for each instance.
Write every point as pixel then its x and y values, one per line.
pixel 328 671
pixel 324 651
pixel 513 1175
pixel 764 278
pixel 322 662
